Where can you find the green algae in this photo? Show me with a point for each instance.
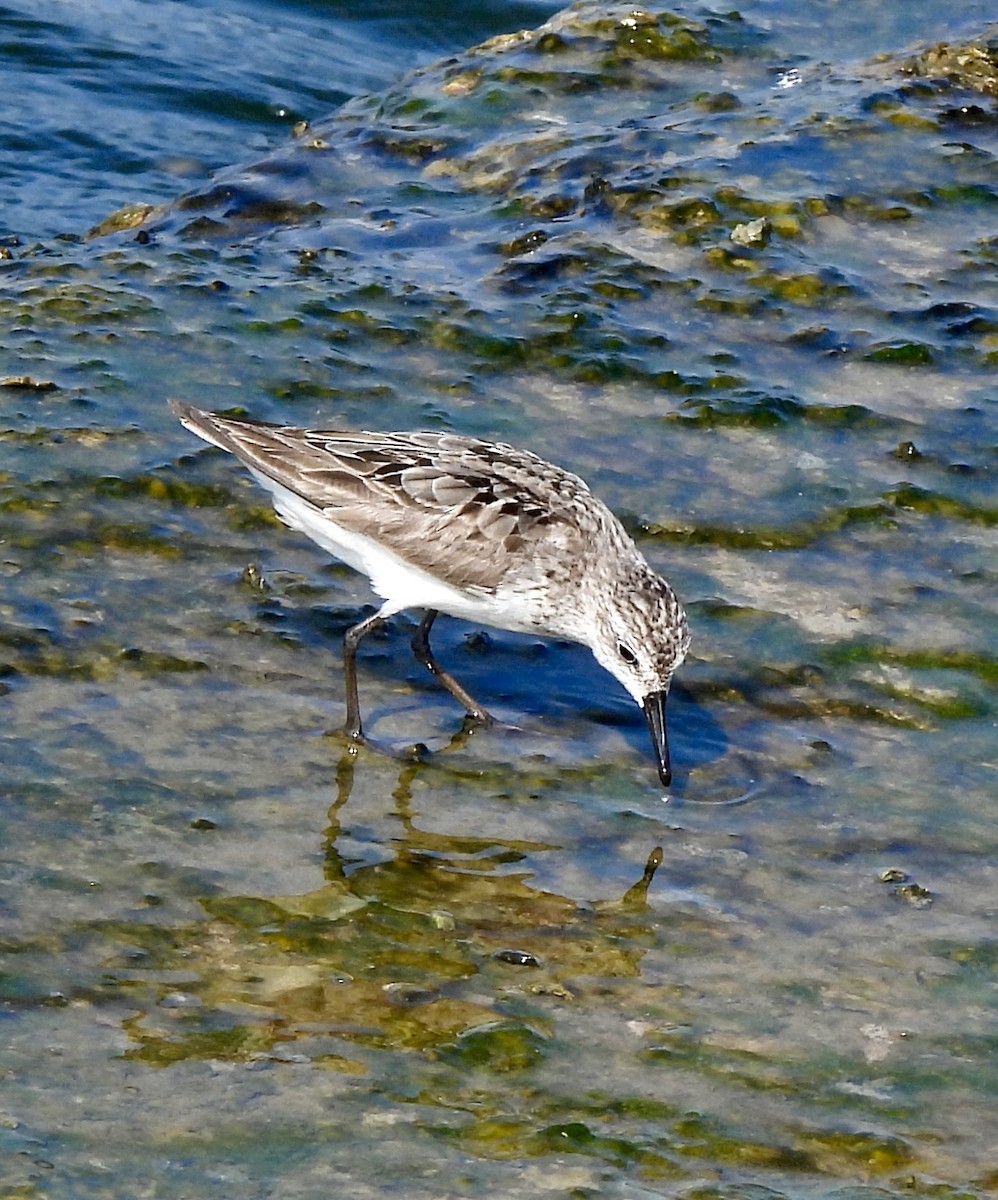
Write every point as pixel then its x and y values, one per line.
pixel 870 1152
pixel 807 289
pixel 902 354
pixel 78 435
pixel 701 1137
pixel 574 1137
pixel 500 1048
pixel 223 1045
pixel 168 489
pixel 982 665
pixel 974 956
pixel 794 537
pixel 883 512
pixel 130 216
pixel 675 1146
pixel 922 500
pixel 128 537
pixel 101 660
pixel 766 412
pixel 668 39
pixel 80 303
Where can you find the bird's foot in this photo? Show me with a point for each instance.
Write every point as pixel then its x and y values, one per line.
pixel 356 738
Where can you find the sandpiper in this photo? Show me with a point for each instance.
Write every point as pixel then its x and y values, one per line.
pixel 474 529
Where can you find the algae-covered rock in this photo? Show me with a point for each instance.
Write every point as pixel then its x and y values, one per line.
pixel 970 65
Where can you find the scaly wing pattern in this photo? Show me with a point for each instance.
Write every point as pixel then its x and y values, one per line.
pixel 461 508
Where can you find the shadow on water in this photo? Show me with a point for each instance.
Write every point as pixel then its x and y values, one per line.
pixel 540 689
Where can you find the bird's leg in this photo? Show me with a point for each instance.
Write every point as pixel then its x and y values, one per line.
pixel 353 727
pixel 424 655
pixel 351 640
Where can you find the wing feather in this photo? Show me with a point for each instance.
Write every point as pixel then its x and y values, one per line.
pixel 425 496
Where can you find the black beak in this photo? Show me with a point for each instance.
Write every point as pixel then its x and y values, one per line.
pixel 654 707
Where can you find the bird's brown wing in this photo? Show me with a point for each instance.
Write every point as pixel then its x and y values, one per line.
pixel 467 510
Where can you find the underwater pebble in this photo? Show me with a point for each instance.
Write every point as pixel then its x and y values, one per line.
pixel 408 995
pixel 517 958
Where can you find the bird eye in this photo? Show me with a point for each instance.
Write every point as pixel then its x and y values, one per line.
pixel 627 654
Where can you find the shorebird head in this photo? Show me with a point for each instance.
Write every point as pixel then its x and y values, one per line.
pixel 641 638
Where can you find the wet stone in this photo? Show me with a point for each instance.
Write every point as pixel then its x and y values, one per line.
pixel 517 958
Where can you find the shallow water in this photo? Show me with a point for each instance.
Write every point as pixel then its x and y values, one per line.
pixel 237 956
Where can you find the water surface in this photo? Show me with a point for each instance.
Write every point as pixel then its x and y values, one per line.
pixel 735 269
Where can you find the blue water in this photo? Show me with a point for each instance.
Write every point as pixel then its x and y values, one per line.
pixel 110 103
pixel 237 959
